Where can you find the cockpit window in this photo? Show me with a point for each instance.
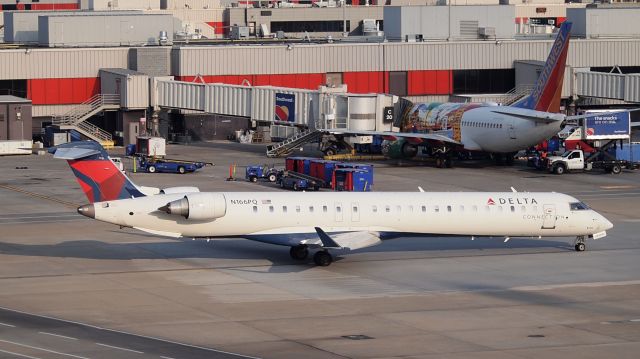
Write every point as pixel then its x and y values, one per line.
pixel 578 206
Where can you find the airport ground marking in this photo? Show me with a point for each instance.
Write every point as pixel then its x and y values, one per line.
pixel 58 335
pixel 42 349
pixel 18 354
pixel 120 348
pixel 7 325
pixel 127 333
pixel 38 195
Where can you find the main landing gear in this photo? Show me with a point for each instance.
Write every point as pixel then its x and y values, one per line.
pixel 300 252
pixel 580 246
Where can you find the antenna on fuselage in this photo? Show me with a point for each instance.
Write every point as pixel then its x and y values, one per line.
pixel 420 189
pixel 513 190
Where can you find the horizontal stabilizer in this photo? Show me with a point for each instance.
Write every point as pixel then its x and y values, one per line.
pixel 348 240
pixel 73 153
pixel 531 115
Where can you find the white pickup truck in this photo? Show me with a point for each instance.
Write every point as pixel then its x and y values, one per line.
pixel 575 161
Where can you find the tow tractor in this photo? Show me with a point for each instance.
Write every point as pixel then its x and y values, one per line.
pixel 254 173
pixel 577 161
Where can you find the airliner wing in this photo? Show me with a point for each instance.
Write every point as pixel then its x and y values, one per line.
pixel 415 138
pixel 348 240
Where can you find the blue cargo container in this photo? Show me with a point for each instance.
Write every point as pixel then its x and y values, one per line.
pixel 360 166
pixel 629 152
pixel 299 164
pixel 352 179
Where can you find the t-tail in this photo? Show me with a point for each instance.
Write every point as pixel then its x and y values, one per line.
pixel 546 95
pixel 98 176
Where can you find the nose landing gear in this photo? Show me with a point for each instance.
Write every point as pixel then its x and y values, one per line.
pixel 580 246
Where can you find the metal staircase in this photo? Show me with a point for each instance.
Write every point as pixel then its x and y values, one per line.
pixel 76 118
pixel 286 147
pixel 516 94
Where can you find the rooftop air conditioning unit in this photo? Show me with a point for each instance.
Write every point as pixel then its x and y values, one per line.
pixel 487 32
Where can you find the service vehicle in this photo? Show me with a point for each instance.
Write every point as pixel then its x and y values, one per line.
pixel 254 173
pixel 298 181
pixel 577 161
pixel 153 165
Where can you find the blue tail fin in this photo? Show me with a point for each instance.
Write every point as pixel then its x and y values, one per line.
pixel 546 95
pixel 98 176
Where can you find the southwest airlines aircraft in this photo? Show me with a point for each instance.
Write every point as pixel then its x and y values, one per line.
pixel 443 128
pixel 321 221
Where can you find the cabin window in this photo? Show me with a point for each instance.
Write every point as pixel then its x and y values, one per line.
pixel 284 209
pixel 474 208
pixel 338 209
pixel 311 209
pixel 399 209
pixel 271 209
pixel 255 209
pixel 436 209
pixel 487 208
pixel 448 208
pixel 374 209
pixel 324 209
pixel 424 208
pixel 513 208
pixel 410 208
pixel 461 208
pixel 298 209
pixel 355 209
pixel 387 209
pixel 500 208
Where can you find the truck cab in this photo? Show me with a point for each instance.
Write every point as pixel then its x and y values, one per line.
pixel 569 161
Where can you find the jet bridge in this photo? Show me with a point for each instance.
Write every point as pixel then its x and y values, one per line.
pixel 625 87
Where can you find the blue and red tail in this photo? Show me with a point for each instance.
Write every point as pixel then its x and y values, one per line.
pixel 98 176
pixel 546 95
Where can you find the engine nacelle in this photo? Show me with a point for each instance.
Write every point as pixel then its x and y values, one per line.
pixel 198 206
pixel 399 149
pixel 174 190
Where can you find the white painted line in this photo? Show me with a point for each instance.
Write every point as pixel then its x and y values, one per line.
pixel 49 221
pixel 8 325
pixel 576 285
pixel 113 347
pixel 18 355
pixel 43 349
pixel 46 216
pixel 163 357
pixel 634 320
pixel 58 335
pixel 135 335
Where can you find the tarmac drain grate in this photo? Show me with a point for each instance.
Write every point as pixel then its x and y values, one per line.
pixel 535 336
pixel 357 337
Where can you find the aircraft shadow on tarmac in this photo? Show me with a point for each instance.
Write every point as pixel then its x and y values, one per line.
pixel 237 248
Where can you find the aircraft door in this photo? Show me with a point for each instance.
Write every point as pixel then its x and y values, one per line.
pixel 549 221
pixel 338 208
pixel 511 129
pixel 355 212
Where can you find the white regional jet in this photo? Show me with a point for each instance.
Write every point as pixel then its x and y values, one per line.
pixel 443 128
pixel 322 221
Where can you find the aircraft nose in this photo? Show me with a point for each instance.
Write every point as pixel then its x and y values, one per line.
pixel 606 224
pixel 88 210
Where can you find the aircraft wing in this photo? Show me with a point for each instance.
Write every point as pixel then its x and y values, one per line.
pixel 414 138
pixel 348 240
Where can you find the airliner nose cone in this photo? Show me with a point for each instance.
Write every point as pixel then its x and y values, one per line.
pixel 607 224
pixel 88 210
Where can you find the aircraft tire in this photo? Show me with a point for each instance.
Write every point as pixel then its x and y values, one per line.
pixel 322 258
pixel 299 252
pixel 580 247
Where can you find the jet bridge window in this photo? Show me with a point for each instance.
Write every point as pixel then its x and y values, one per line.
pixel 578 206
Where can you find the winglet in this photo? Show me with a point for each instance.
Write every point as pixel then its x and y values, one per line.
pixel 327 242
pixel 548 90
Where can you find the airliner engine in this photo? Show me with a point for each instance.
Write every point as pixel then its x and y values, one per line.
pixel 198 206
pixel 399 149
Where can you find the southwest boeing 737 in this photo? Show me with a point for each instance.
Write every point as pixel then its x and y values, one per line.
pixel 502 130
pixel 321 221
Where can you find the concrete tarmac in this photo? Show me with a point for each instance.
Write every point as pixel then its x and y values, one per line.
pixel 428 297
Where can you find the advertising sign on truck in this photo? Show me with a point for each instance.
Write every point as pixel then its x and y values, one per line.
pixel 609 125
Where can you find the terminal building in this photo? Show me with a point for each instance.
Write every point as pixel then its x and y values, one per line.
pixel 421 53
